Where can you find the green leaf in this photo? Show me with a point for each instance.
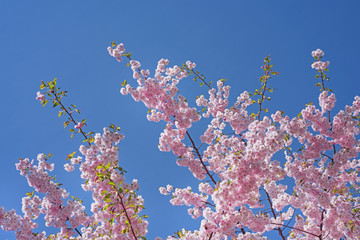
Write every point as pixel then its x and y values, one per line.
pixel 100 166
pixel 111 221
pixel 71 155
pixel 107 206
pixel 66 124
pixel 124 83
pixel 44 102
pixel 108 165
pixel 127 223
pixel 51 85
pixel 30 194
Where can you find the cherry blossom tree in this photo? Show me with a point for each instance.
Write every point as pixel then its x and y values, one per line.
pixel 258 172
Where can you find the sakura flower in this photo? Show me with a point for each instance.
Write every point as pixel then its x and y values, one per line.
pixel 319 65
pixel 40 96
pixel 79 125
pixel 317 53
pixel 190 65
pixel 68 167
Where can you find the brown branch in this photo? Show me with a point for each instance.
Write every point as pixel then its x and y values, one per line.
pixel 354 216
pixel 262 98
pixel 57 99
pixel 82 132
pixel 332 160
pixel 289 220
pixel 321 224
pixel 210 204
pixel 298 229
pixel 272 210
pixel 322 80
pixel 69 114
pixel 202 78
pixel 266 77
pixel 242 139
pixel 123 206
pixel 78 232
pixel 200 158
pixel 68 219
pixel 126 214
pixel 291 154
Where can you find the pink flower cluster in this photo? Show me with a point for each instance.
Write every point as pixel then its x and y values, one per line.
pixel 79 125
pixel 59 214
pixel 319 65
pixel 242 162
pixel 40 96
pixel 326 102
pixel 317 53
pixel 190 65
pixel 117 52
pixel 122 205
pixel 239 172
pixel 116 205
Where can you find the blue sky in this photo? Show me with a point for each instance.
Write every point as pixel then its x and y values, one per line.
pixel 41 40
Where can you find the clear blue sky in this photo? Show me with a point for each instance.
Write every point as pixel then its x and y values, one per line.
pixel 41 40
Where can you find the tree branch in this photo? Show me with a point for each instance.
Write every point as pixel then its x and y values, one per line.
pixel 200 158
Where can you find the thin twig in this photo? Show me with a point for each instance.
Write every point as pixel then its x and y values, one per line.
pixel 202 78
pixel 70 115
pixel 272 210
pixel 298 229
pixel 200 158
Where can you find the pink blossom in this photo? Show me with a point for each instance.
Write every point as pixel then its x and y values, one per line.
pixel 190 65
pixel 317 53
pixel 68 167
pixel 40 96
pixel 240 159
pixel 319 65
pixel 79 125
